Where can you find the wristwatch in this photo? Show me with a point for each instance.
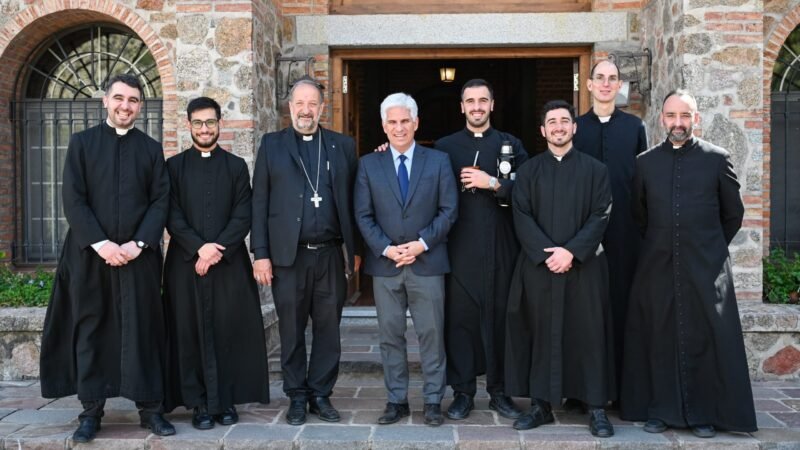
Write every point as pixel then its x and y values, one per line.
pixel 141 244
pixel 492 182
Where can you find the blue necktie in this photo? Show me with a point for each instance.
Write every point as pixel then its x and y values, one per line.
pixel 402 177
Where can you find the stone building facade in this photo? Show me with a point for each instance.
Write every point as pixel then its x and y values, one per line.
pixel 723 50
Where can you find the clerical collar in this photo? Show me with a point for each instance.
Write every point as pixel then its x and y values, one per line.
pixel 205 154
pixel 120 131
pixel 604 119
pixel 689 142
pixel 478 134
pixel 559 158
pixel 305 137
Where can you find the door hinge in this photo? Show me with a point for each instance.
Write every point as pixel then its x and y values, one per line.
pixel 344 84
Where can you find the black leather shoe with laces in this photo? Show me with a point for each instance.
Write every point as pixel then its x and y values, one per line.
pixel 461 406
pixel 87 430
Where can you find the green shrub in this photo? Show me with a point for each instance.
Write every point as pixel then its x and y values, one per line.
pixel 781 277
pixel 24 289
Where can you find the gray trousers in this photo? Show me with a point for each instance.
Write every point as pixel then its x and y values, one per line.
pixel 424 297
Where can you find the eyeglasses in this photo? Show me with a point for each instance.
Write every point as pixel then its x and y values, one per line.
pixel 210 123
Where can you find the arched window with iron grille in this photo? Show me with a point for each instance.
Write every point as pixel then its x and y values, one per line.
pixel 63 93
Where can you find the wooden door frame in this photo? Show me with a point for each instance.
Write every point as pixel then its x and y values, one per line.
pixel 339 56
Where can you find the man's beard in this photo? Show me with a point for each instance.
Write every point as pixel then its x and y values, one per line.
pixel 201 144
pixel 680 136
pixel 479 122
pixel 311 123
pixel 566 144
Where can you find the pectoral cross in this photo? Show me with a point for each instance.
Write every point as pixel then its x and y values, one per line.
pixel 316 199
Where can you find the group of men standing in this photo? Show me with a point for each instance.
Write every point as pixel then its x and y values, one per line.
pixel 546 297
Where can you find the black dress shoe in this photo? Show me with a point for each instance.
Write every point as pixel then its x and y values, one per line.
pixel 158 425
pixel 433 414
pixel 296 414
pixel 539 414
pixel 229 416
pixel 87 430
pixel 461 406
pixel 655 426
pixel 704 431
pixel 504 406
pixel 321 406
pixel 393 413
pixel 599 424
pixel 201 419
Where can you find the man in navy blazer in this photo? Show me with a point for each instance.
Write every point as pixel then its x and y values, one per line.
pixel 405 202
pixel 304 239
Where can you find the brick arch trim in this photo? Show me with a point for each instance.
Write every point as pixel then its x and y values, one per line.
pixel 771 49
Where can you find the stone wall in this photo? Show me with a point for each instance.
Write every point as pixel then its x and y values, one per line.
pixel 714 48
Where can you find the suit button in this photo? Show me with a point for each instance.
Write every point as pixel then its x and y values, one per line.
pixel 298 219
pixel 301 195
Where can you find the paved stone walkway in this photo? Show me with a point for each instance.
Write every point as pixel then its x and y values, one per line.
pixel 29 421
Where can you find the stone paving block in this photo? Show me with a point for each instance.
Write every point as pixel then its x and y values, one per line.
pixel 791 403
pixel 259 416
pixel 121 417
pixel 34 416
pixel 765 420
pixel 487 438
pixel 778 439
pixel 790 419
pixel 561 437
pixel 22 383
pixel 71 402
pixel 350 404
pixel 769 405
pixel 188 438
pixel 260 437
pixel 39 437
pixel 728 441
pixel 629 437
pixel 344 392
pixel 767 392
pixel 792 392
pixel 327 437
pixel 116 437
pixel 24 402
pixel 392 437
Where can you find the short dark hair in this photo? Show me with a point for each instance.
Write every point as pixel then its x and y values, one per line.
pixel 557 104
pixel 478 82
pixel 202 103
pixel 305 79
pixel 680 93
pixel 127 79
pixel 610 61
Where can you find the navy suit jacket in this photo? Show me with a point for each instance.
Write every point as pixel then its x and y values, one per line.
pixel 278 187
pixel 429 211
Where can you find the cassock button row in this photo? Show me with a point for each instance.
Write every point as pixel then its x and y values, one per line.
pixel 300 195
pixel 298 219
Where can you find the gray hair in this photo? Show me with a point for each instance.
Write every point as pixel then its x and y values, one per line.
pixel 306 80
pixel 402 100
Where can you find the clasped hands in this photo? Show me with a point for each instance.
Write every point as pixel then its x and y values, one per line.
pixel 208 255
pixel 405 254
pixel 560 261
pixel 117 255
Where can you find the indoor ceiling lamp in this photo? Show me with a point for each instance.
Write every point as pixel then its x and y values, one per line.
pixel 447 74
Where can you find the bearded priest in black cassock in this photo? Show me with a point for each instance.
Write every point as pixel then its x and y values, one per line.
pixel 217 354
pixel 559 338
pixel 685 363
pixel 104 330
pixel 482 249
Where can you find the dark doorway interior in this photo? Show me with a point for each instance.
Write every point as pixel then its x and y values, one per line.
pixel 522 86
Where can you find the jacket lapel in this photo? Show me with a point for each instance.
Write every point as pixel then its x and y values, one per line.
pixel 417 166
pixel 289 142
pixel 390 174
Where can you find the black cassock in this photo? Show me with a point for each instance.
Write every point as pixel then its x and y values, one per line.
pixel 104 330
pixel 217 354
pixel 685 361
pixel 482 249
pixel 616 143
pixel 559 337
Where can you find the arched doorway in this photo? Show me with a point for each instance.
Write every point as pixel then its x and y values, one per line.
pixel 62 95
pixel 785 154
